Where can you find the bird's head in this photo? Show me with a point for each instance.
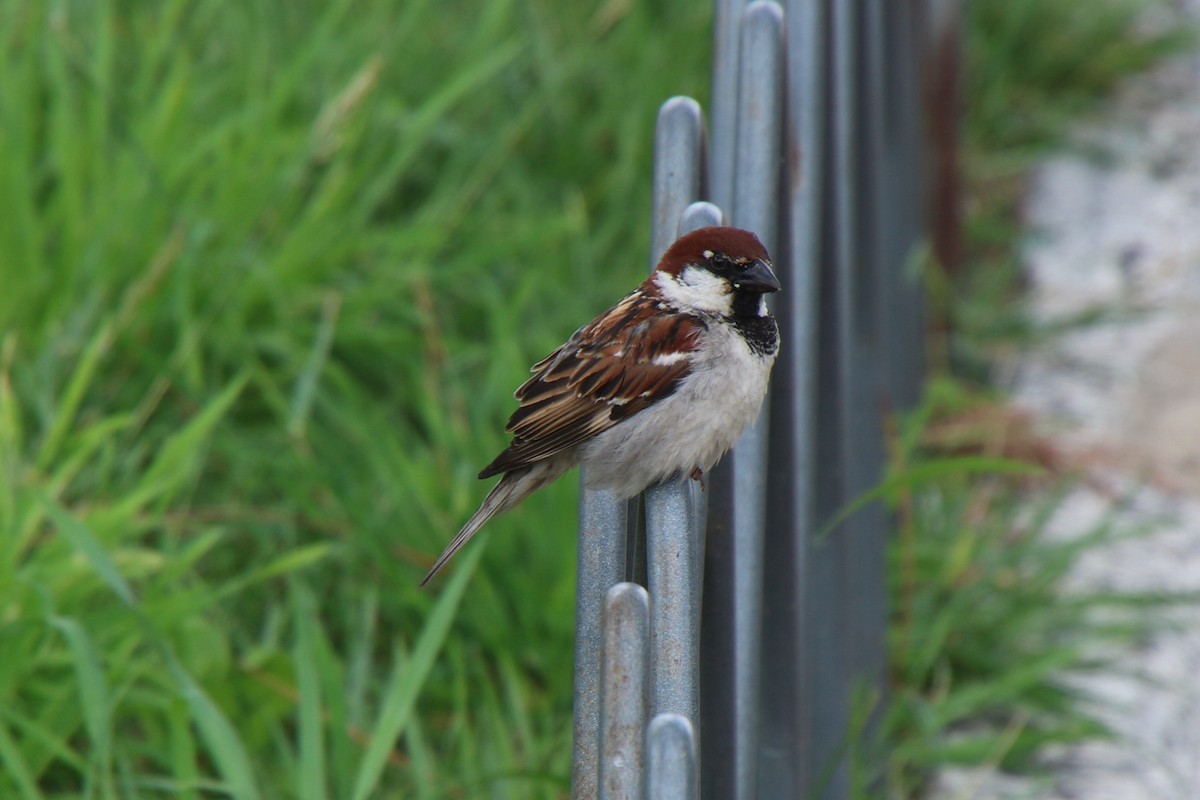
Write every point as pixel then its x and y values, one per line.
pixel 716 270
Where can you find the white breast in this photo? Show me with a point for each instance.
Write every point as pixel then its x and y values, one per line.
pixel 692 428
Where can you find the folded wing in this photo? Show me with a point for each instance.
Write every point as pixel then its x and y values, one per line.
pixel 630 357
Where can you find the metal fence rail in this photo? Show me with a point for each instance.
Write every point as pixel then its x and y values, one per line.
pixel 730 675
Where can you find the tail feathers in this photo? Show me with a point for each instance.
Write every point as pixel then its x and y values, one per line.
pixel 514 487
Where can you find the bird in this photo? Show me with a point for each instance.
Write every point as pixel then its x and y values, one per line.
pixel 656 388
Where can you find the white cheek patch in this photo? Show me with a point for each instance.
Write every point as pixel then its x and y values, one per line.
pixel 696 290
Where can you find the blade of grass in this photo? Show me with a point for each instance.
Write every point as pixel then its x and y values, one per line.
pixel 88 546
pixel 15 768
pixel 310 775
pixel 407 680
pixel 306 385
pixel 177 458
pixel 183 754
pixel 94 697
pixel 221 738
pixel 72 397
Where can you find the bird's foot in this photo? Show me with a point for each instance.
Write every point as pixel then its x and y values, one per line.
pixel 697 474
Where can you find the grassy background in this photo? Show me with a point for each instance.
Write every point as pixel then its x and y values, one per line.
pixel 267 274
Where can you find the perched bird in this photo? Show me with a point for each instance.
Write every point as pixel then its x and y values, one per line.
pixel 657 387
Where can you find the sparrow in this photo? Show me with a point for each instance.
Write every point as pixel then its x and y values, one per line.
pixel 656 388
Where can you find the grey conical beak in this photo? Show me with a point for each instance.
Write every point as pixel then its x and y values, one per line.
pixel 757 277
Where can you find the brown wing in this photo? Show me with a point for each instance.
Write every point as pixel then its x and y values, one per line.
pixel 633 355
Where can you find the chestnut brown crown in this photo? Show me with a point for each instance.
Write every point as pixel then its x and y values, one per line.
pixel 731 253
pixel 699 246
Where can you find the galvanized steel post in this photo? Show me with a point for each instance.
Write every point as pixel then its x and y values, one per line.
pixel 860 539
pixel 730 743
pixel 723 108
pixel 798 615
pixel 678 169
pixel 624 697
pixel 868 559
pixel 671 759
pixel 672 553
pixel 601 564
pixel 904 200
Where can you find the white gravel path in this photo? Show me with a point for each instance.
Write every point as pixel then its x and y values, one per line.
pixel 1115 227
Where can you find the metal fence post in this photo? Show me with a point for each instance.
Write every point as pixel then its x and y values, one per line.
pixel 727 19
pixel 858 543
pixel 674 634
pixel 601 564
pixel 729 746
pixel 671 759
pixel 797 695
pixel 904 200
pixel 678 169
pixel 625 692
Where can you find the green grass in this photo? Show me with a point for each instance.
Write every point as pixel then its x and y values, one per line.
pixel 269 271
pixel 1031 68
pixel 984 625
pixel 1035 66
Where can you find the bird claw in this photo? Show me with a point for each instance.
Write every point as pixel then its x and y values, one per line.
pixel 697 474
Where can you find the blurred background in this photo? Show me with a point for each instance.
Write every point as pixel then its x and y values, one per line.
pixel 268 275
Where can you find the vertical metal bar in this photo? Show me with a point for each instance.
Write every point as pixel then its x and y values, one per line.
pixel 699 215
pixel 717 623
pixel 911 186
pixel 830 570
pixel 625 694
pixel 729 747
pixel 906 200
pixel 760 121
pixel 868 559
pixel 824 680
pixel 866 556
pixel 848 165
pixel 792 698
pixel 895 165
pixel 727 16
pixel 678 169
pixel 671 759
pixel 674 624
pixel 860 541
pixel 601 564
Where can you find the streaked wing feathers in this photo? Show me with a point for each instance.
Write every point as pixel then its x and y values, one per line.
pixel 633 355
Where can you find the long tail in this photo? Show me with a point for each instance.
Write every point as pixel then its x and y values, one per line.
pixel 514 487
